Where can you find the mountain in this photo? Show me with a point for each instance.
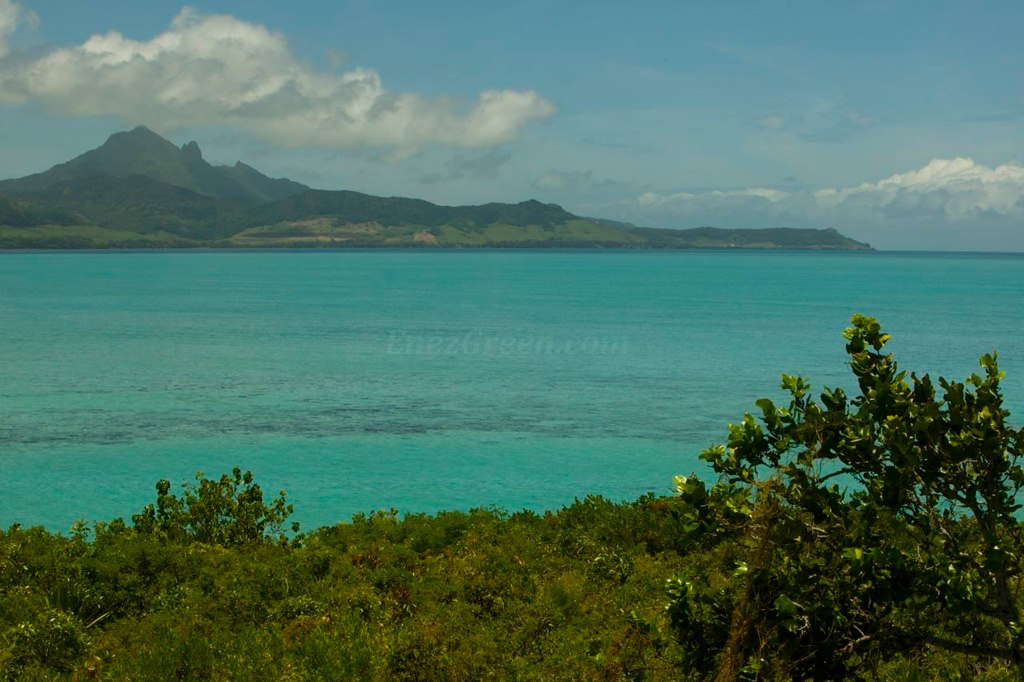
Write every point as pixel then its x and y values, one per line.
pixel 143 152
pixel 140 190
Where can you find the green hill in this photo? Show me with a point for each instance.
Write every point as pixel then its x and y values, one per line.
pixel 140 190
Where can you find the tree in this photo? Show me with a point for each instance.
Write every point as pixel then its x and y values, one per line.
pixel 229 511
pixel 860 527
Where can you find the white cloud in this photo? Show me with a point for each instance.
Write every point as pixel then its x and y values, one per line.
pixel 8 22
pixel 557 181
pixel 959 189
pixel 551 181
pixel 219 70
pixel 12 14
pixel 763 194
pixel 949 203
pixel 943 192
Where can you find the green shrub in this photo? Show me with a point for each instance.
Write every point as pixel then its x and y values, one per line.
pixel 921 547
pixel 229 512
pixel 52 638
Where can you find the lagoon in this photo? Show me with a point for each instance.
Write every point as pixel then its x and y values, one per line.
pixel 428 380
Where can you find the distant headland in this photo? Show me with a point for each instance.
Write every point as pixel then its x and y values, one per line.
pixel 139 190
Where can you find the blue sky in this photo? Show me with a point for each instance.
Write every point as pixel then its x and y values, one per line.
pixel 899 123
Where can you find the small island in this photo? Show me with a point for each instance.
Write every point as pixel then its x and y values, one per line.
pixel 139 190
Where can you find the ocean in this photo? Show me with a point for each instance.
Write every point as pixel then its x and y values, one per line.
pixel 429 380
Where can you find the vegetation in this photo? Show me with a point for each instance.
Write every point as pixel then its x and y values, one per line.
pixel 920 549
pixel 162 196
pixel 865 537
pixel 196 591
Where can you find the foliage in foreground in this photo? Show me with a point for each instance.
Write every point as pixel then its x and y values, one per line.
pixel 919 549
pixel 910 570
pixel 462 596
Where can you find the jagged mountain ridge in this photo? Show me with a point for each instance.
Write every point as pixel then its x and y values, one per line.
pixel 143 152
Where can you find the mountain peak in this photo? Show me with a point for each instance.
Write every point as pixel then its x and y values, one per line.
pixel 142 152
pixel 191 150
pixel 140 135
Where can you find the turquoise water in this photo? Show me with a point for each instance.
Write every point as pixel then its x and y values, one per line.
pixel 436 380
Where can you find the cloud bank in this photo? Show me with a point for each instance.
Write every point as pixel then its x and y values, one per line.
pixel 943 192
pixel 219 70
pixel 952 189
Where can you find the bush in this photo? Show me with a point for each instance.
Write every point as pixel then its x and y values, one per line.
pixel 228 512
pixel 52 638
pixel 921 546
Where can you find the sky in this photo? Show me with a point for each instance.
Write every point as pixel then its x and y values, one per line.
pixel 898 123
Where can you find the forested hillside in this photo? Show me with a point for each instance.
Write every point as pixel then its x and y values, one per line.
pixel 140 190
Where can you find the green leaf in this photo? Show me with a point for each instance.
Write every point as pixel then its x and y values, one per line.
pixel 785 606
pixel 853 553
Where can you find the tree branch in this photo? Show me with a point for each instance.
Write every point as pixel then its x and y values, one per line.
pixel 847 470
